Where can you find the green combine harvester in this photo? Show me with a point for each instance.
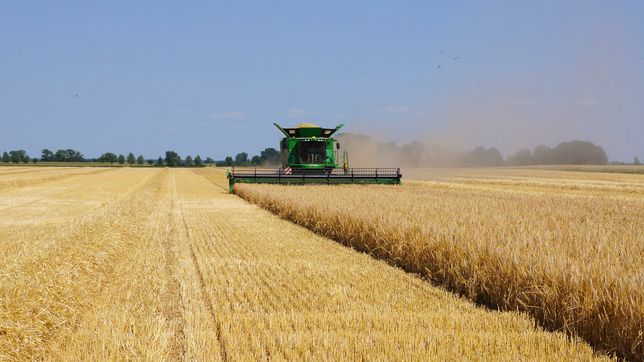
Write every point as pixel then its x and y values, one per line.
pixel 309 156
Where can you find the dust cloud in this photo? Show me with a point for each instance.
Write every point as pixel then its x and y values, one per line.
pixel 586 100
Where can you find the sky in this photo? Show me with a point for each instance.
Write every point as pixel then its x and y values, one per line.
pixel 211 77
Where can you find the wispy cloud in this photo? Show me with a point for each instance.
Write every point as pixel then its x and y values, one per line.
pixel 227 116
pixel 396 109
pixel 298 112
pixel 585 102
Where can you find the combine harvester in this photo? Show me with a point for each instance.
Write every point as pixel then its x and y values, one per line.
pixel 309 156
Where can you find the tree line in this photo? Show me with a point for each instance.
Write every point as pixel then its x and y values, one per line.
pixel 16 156
pixel 568 153
pixel 267 157
pixel 416 154
pixel 171 159
pixel 67 155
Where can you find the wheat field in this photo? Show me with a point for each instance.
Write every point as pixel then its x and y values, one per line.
pixel 567 248
pixel 164 264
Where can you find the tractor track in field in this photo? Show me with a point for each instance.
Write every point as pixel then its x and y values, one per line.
pixel 209 180
pixel 202 286
pixel 173 311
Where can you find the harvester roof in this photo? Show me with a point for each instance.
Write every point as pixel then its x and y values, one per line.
pixel 308 130
pixel 307 125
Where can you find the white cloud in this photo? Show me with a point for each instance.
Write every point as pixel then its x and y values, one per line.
pixel 297 113
pixel 227 116
pixel 396 109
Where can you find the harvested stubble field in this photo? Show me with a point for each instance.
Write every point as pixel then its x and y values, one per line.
pixel 567 248
pixel 162 264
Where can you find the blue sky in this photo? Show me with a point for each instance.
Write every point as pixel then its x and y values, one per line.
pixel 210 78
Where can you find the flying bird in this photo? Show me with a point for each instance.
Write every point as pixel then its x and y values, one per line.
pixel 440 65
pixel 76 96
pixel 455 58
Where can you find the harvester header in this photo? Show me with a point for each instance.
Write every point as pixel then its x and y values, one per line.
pixel 309 155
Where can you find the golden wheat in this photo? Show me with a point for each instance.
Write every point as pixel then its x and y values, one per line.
pixel 279 291
pixel 31 176
pixel 160 264
pixel 573 259
pixel 638 169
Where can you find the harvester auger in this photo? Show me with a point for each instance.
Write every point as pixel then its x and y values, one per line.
pixel 308 156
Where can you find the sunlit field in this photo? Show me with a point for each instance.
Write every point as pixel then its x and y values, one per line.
pixel 566 248
pixel 164 264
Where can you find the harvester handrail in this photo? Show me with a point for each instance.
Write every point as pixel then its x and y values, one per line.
pixel 354 172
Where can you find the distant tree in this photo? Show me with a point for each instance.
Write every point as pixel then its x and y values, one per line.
pixel 578 152
pixel 228 161
pixel 493 157
pixel 198 161
pixel 520 158
pixel 140 160
pixel 67 155
pixel 6 158
pixel 270 156
pixel 108 157
pixel 74 156
pixel 18 156
pixel 241 159
pixel 542 155
pixel 151 162
pixel 121 159
pixel 60 156
pixel 189 162
pixel 255 160
pixel 159 162
pixel 46 155
pixel 209 161
pixel 480 157
pixel 172 159
pixel 131 160
pixel 34 160
pixel 15 158
pixel 636 161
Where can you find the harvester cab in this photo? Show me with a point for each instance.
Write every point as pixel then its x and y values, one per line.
pixel 308 147
pixel 309 155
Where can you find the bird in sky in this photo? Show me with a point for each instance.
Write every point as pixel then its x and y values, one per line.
pixel 76 96
pixel 455 58
pixel 440 65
